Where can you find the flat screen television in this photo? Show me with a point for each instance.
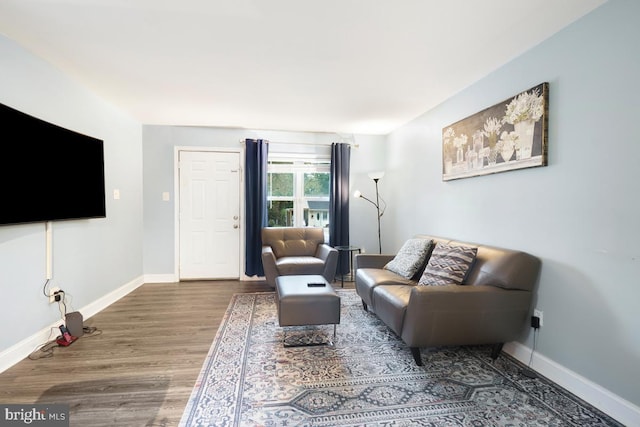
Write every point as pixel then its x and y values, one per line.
pixel 47 172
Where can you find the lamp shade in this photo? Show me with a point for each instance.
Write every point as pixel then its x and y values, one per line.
pixel 357 194
pixel 376 175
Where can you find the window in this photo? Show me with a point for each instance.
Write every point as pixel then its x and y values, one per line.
pixel 298 192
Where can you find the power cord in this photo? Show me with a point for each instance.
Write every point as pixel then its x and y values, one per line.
pixel 44 288
pixel 44 350
pixel 62 301
pixel 90 331
pixel 528 372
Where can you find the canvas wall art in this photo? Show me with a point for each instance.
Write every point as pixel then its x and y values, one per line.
pixel 507 136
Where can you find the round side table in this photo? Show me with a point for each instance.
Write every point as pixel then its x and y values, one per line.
pixel 351 250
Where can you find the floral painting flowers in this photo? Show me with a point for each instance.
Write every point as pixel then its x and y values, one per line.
pixel 447 138
pixel 526 106
pixel 509 135
pixel 491 130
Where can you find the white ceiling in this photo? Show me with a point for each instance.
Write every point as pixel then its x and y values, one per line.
pixel 348 66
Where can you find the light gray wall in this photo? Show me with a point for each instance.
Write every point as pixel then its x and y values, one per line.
pixel 580 214
pixel 363 228
pixel 159 144
pixel 91 258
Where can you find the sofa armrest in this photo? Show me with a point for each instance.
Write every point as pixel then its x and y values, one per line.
pixel 371 260
pixel 269 265
pixel 454 315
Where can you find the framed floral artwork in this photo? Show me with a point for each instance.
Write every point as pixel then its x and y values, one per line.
pixel 507 136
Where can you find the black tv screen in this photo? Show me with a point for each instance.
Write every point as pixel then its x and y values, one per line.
pixel 47 172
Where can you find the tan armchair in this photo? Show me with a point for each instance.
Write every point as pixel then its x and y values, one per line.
pixel 290 251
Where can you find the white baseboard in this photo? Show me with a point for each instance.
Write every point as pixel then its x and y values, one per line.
pixel 104 302
pixel 622 410
pixel 246 278
pixel 172 278
pixel 24 348
pixel 161 278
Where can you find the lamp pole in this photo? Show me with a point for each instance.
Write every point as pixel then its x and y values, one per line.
pixel 378 209
pixel 358 194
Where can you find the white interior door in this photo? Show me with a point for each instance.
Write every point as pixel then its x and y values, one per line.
pixel 209 215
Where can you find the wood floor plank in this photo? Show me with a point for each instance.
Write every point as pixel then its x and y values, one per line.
pixel 140 367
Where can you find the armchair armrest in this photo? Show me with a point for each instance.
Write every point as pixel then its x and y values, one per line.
pixel 269 265
pixel 330 257
pixel 371 260
pixel 324 251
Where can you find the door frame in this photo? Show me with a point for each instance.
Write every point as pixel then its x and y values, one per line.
pixel 176 204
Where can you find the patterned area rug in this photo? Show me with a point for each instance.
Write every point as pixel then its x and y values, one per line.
pixel 367 379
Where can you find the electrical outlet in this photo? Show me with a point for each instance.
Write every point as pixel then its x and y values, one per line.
pixel 52 294
pixel 538 313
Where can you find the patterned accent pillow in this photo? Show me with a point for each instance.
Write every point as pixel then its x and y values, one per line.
pixel 410 258
pixel 448 265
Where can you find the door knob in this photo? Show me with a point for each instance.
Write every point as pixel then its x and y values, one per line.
pixel 235 217
pixel 235 225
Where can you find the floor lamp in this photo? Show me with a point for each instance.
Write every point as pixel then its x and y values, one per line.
pixel 375 176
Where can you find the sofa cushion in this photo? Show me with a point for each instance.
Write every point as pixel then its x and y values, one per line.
pixel 391 302
pixel 367 279
pixel 448 265
pixel 410 258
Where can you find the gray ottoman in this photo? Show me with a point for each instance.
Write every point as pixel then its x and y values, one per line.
pixel 299 304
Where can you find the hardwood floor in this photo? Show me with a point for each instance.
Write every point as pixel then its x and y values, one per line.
pixel 140 366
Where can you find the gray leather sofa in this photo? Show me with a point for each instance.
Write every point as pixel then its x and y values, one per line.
pixel 491 306
pixel 290 251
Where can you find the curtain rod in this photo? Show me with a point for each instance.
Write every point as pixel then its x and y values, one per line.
pixel 315 144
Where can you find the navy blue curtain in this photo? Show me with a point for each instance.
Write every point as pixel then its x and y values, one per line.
pixel 339 201
pixel 256 153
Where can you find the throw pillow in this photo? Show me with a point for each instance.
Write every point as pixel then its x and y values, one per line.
pixel 448 265
pixel 410 257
